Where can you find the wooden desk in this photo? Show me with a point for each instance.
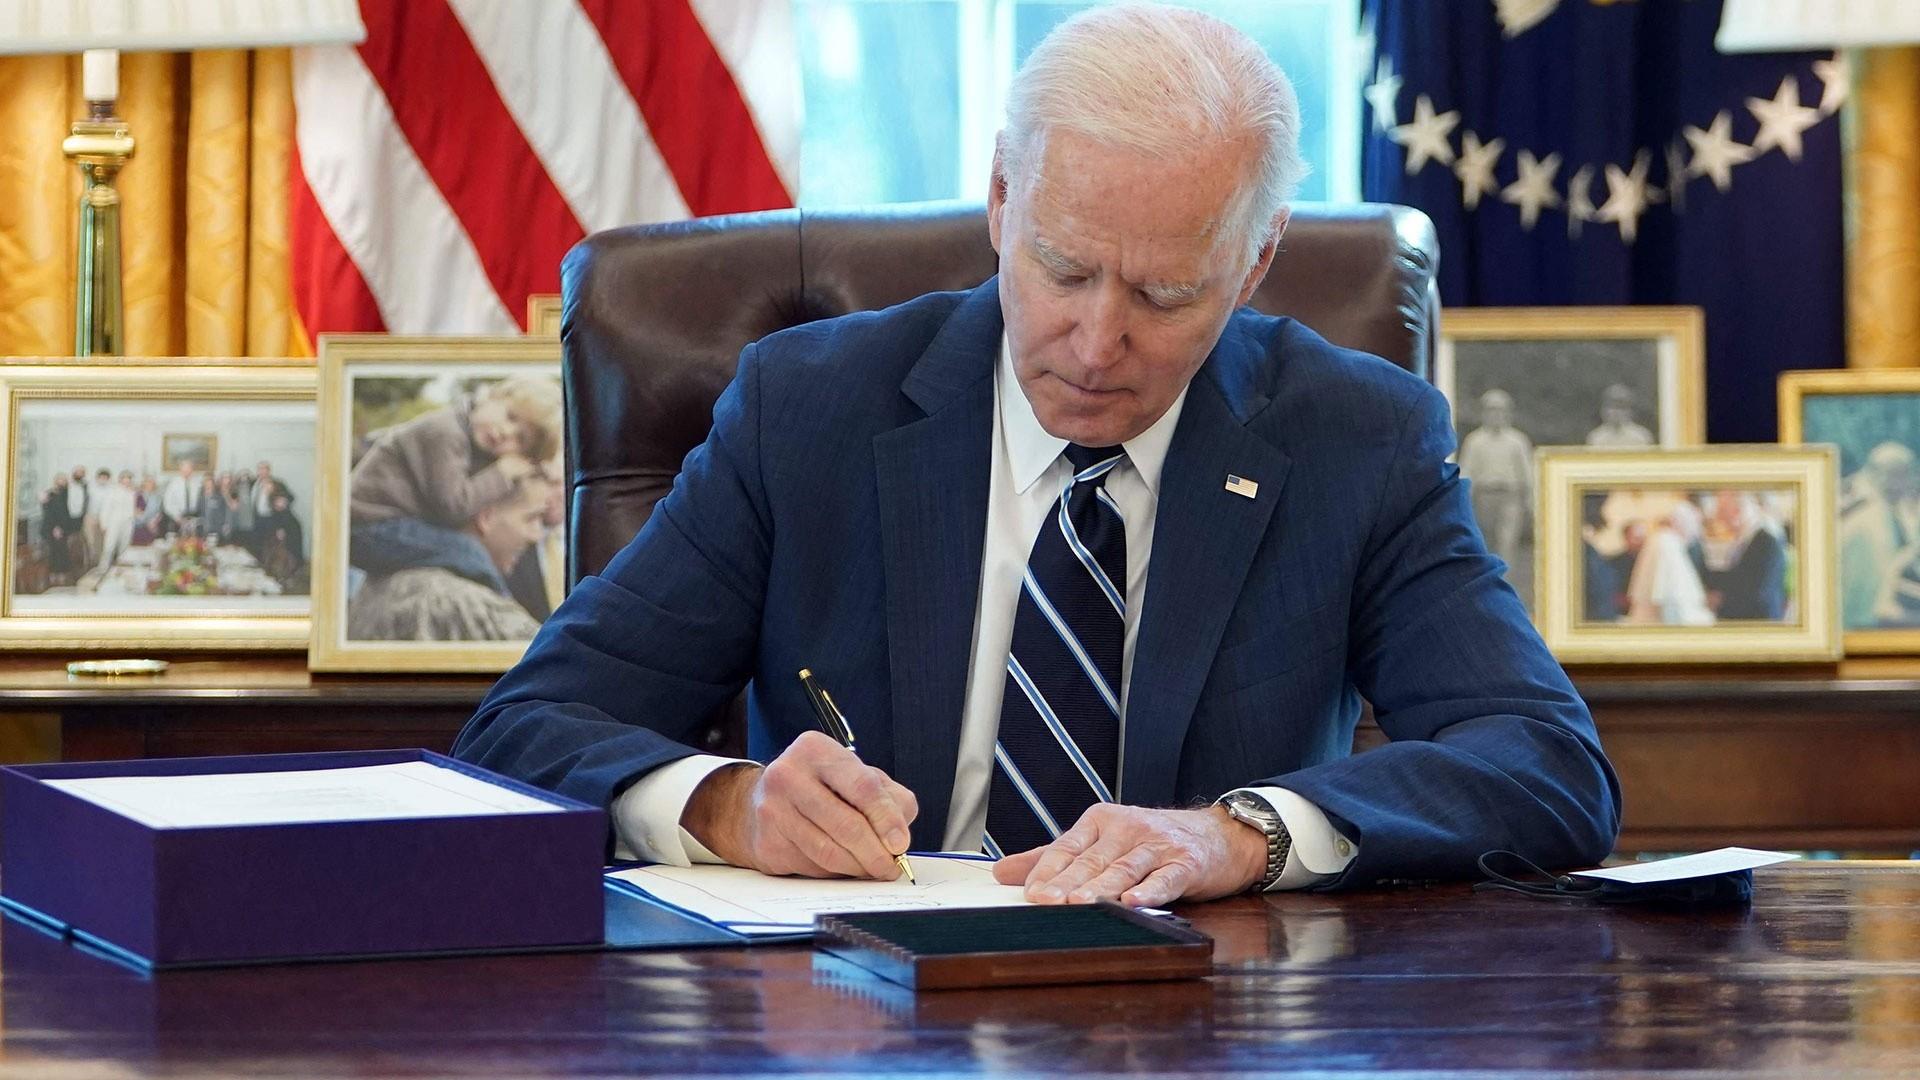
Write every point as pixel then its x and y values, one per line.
pixel 1806 758
pixel 1822 977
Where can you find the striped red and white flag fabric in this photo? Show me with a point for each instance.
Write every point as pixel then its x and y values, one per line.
pixel 446 164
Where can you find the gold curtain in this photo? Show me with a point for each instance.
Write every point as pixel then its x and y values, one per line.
pixel 1883 210
pixel 204 204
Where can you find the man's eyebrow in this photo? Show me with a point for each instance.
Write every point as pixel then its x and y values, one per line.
pixel 1175 292
pixel 1055 258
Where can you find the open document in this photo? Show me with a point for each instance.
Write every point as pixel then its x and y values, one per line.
pixel 410 789
pixel 749 902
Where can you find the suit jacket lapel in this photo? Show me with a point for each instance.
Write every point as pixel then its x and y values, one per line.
pixel 933 477
pixel 1204 539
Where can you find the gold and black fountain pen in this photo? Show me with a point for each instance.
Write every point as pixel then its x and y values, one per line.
pixel 834 723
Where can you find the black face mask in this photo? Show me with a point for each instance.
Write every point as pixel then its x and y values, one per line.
pixel 1514 872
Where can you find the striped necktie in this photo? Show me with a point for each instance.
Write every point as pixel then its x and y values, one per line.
pixel 1059 741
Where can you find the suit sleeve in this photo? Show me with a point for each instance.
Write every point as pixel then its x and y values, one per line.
pixel 623 673
pixel 1490 747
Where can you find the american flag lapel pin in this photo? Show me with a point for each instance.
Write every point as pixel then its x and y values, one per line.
pixel 1242 486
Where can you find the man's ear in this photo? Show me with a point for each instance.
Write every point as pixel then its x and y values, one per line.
pixel 1261 265
pixel 997 193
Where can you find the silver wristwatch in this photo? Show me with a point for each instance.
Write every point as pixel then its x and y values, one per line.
pixel 1257 812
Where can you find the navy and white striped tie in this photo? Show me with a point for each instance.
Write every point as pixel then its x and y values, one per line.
pixel 1059 742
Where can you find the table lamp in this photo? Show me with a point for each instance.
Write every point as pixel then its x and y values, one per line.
pixel 1797 25
pixel 101 143
pixel 1881 165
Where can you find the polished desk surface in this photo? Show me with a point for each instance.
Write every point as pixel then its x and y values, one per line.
pixel 1820 977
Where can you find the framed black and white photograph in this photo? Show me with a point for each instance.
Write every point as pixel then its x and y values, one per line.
pixel 1524 378
pixel 1872 420
pixel 158 503
pixel 443 548
pixel 1722 554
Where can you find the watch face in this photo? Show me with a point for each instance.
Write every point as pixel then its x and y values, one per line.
pixel 1251 810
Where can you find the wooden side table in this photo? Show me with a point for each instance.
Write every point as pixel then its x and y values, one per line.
pixel 1802 759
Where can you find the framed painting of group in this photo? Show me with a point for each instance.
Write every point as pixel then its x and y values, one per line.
pixel 1721 554
pixel 157 503
pixel 1524 378
pixel 443 539
pixel 1872 420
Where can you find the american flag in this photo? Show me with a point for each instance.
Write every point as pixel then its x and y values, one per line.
pixel 445 164
pixel 1603 153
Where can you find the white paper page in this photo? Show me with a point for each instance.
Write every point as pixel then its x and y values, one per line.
pixel 408 789
pixel 752 902
pixel 1719 861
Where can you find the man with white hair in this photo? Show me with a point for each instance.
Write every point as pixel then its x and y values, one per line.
pixel 1098 563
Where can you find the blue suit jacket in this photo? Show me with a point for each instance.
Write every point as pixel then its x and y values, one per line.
pixel 835 516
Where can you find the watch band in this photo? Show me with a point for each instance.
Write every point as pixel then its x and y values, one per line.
pixel 1257 812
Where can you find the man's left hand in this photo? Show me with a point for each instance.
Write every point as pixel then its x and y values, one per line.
pixel 1142 857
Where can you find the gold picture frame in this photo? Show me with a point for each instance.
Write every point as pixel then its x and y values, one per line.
pixel 1679 334
pixel 350 361
pixel 110 403
pixel 1522 378
pixel 1797 484
pixel 175 445
pixel 1860 544
pixel 543 315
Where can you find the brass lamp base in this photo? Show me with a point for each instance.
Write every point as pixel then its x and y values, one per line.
pixel 101 145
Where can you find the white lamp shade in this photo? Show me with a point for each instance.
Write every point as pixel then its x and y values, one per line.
pixel 67 26
pixel 1794 25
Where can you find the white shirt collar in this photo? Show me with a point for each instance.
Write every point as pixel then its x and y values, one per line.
pixel 1031 450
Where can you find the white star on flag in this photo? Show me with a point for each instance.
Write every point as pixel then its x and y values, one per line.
pixel 1579 203
pixel 1383 95
pixel 1425 137
pixel 1782 119
pixel 1475 168
pixel 1519 16
pixel 1534 190
pixel 1626 196
pixel 1835 77
pixel 1714 151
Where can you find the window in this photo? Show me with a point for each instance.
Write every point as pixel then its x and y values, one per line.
pixel 903 97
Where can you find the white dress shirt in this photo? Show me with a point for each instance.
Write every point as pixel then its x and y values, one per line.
pixel 182 496
pixel 1028 473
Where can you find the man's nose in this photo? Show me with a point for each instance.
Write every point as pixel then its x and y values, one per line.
pixel 1102 336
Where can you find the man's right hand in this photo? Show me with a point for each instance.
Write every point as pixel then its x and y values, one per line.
pixel 816 811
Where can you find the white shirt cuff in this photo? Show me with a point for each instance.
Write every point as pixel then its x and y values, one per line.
pixel 646 816
pixel 1319 850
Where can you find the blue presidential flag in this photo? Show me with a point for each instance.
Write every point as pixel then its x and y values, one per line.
pixel 1602 152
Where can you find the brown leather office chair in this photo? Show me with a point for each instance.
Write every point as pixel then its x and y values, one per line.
pixel 654 318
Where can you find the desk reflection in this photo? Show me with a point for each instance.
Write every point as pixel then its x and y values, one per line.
pixel 1821 976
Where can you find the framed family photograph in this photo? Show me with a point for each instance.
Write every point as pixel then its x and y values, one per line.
pixel 543 315
pixel 1872 419
pixel 442 543
pixel 1523 378
pixel 158 503
pixel 1722 554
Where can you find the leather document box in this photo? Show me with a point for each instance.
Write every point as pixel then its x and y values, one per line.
pixel 221 894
